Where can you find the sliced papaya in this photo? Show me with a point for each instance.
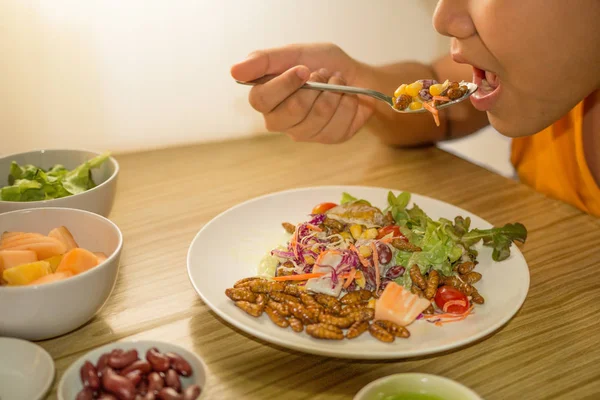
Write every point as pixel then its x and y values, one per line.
pixel 50 278
pixel 77 261
pixel 64 235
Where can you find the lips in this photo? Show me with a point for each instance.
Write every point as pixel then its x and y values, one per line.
pixel 489 89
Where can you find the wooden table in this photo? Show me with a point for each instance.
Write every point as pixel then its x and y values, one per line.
pixel 549 350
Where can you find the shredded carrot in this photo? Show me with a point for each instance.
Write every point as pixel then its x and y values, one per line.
pixel 447 318
pixel 363 260
pixel 314 228
pixel 350 278
pixel 376 263
pixel 300 277
pixel 294 242
pixel 450 303
pixel 434 111
pixel 441 98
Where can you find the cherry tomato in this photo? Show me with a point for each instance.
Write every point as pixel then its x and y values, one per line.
pixel 321 208
pixel 386 230
pixel 447 293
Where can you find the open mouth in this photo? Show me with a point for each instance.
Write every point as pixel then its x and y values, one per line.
pixel 489 89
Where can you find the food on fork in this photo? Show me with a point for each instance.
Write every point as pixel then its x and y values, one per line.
pixel 428 94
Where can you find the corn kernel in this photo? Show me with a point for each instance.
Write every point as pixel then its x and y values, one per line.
pixel 365 251
pixel 309 260
pixel 359 278
pixel 369 234
pixel 346 235
pixel 400 91
pixel 355 230
pixel 415 105
pixel 436 90
pixel 414 88
pixel 371 303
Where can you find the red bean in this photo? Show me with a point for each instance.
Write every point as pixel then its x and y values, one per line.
pixel 118 385
pixel 149 396
pixel 142 388
pixel 135 377
pixel 155 382
pixel 191 392
pixel 141 365
pixel 89 376
pixel 168 393
pixel 85 394
pixel 180 364
pixel 107 396
pixel 159 362
pixel 118 361
pixel 384 253
pixel 172 380
pixel 101 364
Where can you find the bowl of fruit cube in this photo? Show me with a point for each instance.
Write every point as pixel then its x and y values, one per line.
pixel 58 267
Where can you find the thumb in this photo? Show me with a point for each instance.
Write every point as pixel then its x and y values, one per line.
pixel 266 62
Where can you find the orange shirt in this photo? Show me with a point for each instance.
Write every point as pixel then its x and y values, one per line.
pixel 553 163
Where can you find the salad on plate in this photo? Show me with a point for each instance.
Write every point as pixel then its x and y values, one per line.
pixel 353 267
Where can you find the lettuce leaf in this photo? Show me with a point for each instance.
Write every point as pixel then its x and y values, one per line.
pixel 499 239
pixel 31 183
pixel 348 198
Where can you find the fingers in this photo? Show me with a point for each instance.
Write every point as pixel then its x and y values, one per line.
pixel 266 97
pixel 266 62
pixel 295 109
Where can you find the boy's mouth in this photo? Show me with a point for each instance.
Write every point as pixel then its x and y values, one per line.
pixel 489 89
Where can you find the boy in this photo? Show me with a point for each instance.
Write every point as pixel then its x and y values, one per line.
pixel 536 63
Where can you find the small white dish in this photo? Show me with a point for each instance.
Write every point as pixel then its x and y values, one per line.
pixel 70 383
pixel 26 370
pixel 420 386
pixel 40 312
pixel 99 199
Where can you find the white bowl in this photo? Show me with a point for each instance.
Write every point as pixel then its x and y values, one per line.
pixel 53 309
pixel 70 383
pixel 99 199
pixel 416 383
pixel 26 370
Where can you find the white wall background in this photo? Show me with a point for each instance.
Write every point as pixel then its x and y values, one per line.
pixel 127 75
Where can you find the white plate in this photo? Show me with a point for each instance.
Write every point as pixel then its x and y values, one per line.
pixel 230 247
pixel 26 370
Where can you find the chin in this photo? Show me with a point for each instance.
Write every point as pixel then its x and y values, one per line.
pixel 515 126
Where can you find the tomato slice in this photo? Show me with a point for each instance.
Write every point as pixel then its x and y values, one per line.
pixel 321 208
pixel 386 230
pixel 445 294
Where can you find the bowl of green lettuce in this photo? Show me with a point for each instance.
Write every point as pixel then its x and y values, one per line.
pixel 69 178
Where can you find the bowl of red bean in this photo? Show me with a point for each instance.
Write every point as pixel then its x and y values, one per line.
pixel 135 370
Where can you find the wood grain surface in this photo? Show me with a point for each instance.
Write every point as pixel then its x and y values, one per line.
pixel 549 350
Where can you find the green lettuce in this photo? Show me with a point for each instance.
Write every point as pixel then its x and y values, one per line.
pixel 31 183
pixel 348 198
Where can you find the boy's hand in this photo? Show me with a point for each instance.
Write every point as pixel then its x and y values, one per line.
pixel 306 115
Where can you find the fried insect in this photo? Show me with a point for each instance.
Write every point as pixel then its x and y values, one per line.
pixel 381 333
pixel 364 314
pixel 429 310
pixel 281 308
pixel 329 302
pixel 415 290
pixel 262 286
pixel 471 277
pixel 296 324
pixel 289 228
pixel 292 290
pixel 340 322
pixel 404 245
pixel 432 284
pixel 276 317
pixel 309 301
pixel 458 284
pixel 357 329
pixel 388 219
pixel 465 268
pixel 261 300
pixel 302 313
pixel 393 328
pixel 417 277
pixel 352 308
pixel 240 294
pixel 284 298
pixel 255 310
pixel 245 282
pixel 355 297
pixel 476 297
pixel 333 225
pixel 324 331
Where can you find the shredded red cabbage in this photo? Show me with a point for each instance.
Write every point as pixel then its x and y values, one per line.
pixel 317 219
pixel 282 254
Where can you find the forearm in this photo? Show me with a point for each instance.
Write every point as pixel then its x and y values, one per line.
pixel 419 129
